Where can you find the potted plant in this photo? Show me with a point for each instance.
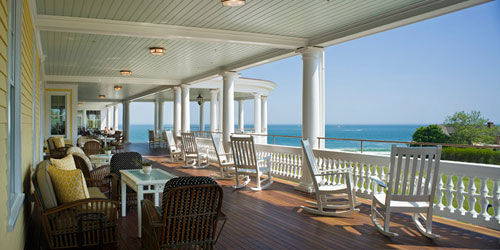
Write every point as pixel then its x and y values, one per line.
pixel 147 166
pixel 107 150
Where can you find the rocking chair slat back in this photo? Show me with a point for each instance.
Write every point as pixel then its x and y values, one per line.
pixel 171 141
pixel 189 143
pixel 244 153
pixel 413 173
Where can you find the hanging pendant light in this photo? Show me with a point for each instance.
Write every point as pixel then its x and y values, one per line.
pixel 232 3
pixel 200 99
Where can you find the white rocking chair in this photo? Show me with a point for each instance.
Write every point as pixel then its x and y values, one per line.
pixel 224 160
pixel 411 185
pixel 323 191
pixel 175 152
pixel 192 156
pixel 247 164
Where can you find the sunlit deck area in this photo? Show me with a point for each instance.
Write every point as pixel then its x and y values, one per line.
pixel 273 219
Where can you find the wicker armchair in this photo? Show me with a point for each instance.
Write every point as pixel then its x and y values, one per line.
pixel 122 161
pixel 191 212
pixel 95 177
pixel 54 152
pixel 92 147
pixel 118 143
pixel 60 221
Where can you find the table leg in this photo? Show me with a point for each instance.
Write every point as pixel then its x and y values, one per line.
pixel 139 209
pixel 157 196
pixel 124 198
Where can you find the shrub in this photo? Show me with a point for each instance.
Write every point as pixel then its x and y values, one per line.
pixel 476 155
pixel 431 133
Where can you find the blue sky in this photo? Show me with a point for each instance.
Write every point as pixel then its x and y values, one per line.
pixel 416 74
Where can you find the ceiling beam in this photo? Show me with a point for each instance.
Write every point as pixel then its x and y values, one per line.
pixel 110 80
pixel 162 31
pixel 146 93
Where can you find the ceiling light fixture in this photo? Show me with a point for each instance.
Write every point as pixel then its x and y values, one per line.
pixel 157 51
pixel 125 72
pixel 118 87
pixel 102 96
pixel 232 3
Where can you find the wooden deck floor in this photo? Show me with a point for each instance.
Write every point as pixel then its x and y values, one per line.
pixel 272 219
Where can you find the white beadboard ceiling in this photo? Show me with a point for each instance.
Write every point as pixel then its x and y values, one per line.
pixel 99 50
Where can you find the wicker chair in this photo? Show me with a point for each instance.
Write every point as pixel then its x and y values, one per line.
pixel 118 143
pixel 122 161
pixel 95 177
pixel 92 147
pixel 54 152
pixel 60 221
pixel 191 212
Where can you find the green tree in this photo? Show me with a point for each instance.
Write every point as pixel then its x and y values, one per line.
pixel 470 127
pixel 431 133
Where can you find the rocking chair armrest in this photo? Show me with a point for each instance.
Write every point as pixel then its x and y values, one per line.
pixel 225 153
pixel 377 181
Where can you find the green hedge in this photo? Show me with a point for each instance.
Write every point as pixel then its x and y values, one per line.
pixel 487 156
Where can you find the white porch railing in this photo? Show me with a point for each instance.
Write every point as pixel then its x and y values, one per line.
pixel 466 191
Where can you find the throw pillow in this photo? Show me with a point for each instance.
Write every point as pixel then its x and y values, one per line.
pixel 69 185
pixel 66 163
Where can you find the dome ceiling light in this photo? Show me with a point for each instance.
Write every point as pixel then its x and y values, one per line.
pixel 157 51
pixel 232 3
pixel 125 72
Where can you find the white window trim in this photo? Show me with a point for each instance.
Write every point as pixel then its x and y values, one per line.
pixel 16 196
pixel 67 105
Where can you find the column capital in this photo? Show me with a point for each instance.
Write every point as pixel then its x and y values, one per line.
pixel 241 101
pixel 214 91
pixel 177 88
pixel 230 74
pixel 257 95
pixel 126 102
pixel 185 86
pixel 264 97
pixel 311 52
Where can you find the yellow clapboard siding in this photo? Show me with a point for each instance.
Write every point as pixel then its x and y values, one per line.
pixel 3 115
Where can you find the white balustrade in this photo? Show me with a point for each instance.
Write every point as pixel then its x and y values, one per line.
pixel 467 192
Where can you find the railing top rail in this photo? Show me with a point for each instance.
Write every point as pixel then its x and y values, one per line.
pixel 412 143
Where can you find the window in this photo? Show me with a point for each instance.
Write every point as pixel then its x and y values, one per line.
pixel 93 119
pixel 58 115
pixel 16 196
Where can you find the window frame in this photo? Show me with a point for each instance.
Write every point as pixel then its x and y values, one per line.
pixel 16 196
pixel 67 117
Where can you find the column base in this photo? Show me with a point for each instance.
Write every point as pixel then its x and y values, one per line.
pixel 305 187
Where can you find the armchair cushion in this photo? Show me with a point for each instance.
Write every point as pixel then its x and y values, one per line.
pixel 58 142
pixel 66 163
pixel 94 192
pixel 69 185
pixel 48 196
pixel 72 150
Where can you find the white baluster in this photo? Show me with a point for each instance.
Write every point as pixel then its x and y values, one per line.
pixel 361 177
pixel 368 179
pixel 449 193
pixel 439 194
pixel 471 199
pixel 460 195
pixel 483 200
pixel 496 201
pixel 355 176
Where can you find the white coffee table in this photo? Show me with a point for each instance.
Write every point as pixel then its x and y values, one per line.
pixel 135 179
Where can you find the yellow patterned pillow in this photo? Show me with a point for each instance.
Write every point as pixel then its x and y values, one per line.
pixel 66 163
pixel 69 185
pixel 58 142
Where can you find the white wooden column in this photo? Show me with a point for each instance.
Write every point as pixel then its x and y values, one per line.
pixel 322 117
pixel 108 117
pixel 241 116
pixel 228 79
pixel 311 73
pixel 115 117
pixel 185 108
pixel 221 106
pixel 213 110
pixel 126 121
pixel 160 115
pixel 202 116
pixel 177 111
pixel 257 124
pixel 156 116
pixel 264 115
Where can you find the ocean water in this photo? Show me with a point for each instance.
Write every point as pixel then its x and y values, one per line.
pixel 139 133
